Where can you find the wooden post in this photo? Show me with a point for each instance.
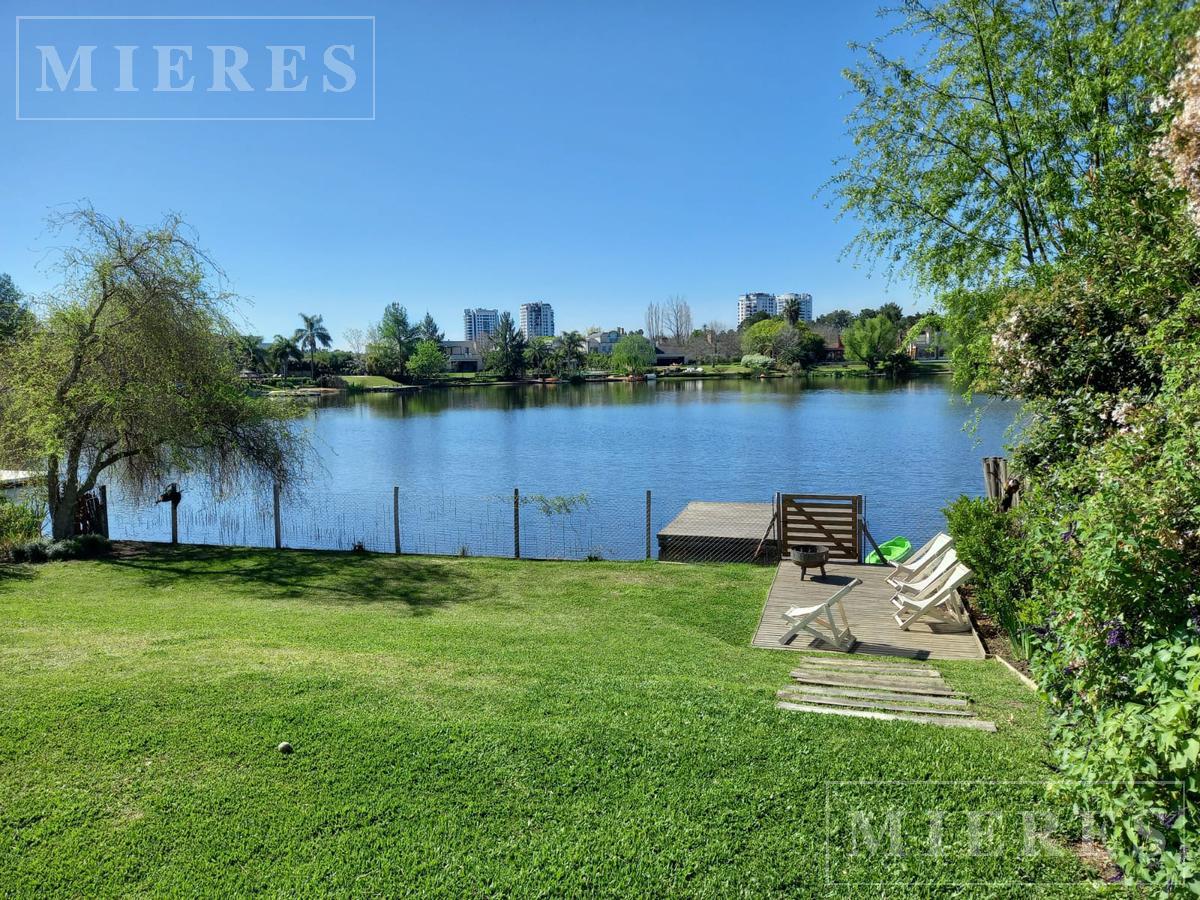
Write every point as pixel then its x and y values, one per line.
pixel 516 523
pixel 648 552
pixel 104 509
pixel 396 515
pixel 174 522
pixel 278 522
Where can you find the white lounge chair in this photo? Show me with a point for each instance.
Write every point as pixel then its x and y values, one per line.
pixel 911 568
pixel 938 601
pixel 821 621
pixel 927 577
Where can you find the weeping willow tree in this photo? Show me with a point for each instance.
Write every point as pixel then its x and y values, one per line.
pixel 127 373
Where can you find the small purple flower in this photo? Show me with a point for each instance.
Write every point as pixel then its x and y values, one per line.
pixel 1167 819
pixel 1069 535
pixel 1117 636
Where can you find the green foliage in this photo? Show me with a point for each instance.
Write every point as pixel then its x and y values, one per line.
pixel 760 337
pixel 19 522
pixel 758 362
pixel 990 542
pixel 507 356
pixel 838 318
pixel 870 341
pixel 632 355
pixel 283 353
pixel 353 658
pixel 752 320
pixel 798 347
pixel 13 313
pixel 32 551
pixel 393 341
pixel 427 361
pixel 129 374
pixel 429 331
pixel 311 335
pixel 976 157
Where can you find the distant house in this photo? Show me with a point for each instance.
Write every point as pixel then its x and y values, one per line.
pixel 604 341
pixel 835 351
pixel 665 355
pixel 926 345
pixel 463 356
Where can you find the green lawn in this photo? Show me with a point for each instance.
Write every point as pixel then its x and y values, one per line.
pixel 370 381
pixel 461 726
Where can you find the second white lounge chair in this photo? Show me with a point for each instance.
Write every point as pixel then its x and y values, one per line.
pixel 939 600
pixel 928 555
pixel 821 621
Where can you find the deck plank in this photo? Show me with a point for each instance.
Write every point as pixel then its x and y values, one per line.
pixel 869 613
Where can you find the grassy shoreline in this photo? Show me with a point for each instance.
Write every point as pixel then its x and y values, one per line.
pixel 459 727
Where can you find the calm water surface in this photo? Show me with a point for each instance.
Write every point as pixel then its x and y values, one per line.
pixel 458 453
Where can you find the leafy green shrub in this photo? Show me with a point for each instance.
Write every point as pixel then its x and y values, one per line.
pixel 19 523
pixel 30 551
pixel 64 549
pixel 93 545
pixel 757 361
pixel 989 542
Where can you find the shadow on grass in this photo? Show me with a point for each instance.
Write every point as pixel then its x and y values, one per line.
pixel 314 576
pixel 13 573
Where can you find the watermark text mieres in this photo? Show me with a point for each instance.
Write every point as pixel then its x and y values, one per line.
pixel 312 67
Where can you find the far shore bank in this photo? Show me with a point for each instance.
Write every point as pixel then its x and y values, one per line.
pixel 370 384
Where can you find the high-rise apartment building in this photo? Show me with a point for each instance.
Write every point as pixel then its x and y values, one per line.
pixel 537 320
pixel 805 301
pixel 479 323
pixel 772 305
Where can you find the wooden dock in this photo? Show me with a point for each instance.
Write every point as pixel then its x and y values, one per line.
pixel 868 610
pixel 719 532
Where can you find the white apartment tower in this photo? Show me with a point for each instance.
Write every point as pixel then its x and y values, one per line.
pixel 537 320
pixel 805 301
pixel 749 304
pixel 479 323
pixel 772 305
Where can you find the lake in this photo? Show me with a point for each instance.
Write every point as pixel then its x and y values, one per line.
pixel 583 457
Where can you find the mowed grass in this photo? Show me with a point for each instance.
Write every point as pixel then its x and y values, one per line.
pixel 461 726
pixel 370 381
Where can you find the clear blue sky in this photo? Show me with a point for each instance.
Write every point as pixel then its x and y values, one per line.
pixel 595 155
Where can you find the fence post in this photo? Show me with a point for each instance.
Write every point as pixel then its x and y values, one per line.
pixel 278 523
pixel 647 524
pixel 396 515
pixel 516 523
pixel 104 509
pixel 174 522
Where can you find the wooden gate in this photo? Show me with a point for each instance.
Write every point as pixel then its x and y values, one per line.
pixel 833 520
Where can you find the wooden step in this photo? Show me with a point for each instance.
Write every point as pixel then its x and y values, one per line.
pixel 906 704
pixel 944 721
pixel 881 694
pixel 904 686
pixel 819 659
pixel 898 671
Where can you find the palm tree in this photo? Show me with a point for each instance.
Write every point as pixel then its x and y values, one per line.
pixel 282 353
pixel 309 335
pixel 571 351
pixel 248 351
pixel 791 311
pixel 538 354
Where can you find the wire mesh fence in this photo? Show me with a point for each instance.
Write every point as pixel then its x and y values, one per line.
pixel 506 522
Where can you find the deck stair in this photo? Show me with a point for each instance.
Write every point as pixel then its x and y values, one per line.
pixel 867 689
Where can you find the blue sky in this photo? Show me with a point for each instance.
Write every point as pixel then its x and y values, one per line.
pixel 595 155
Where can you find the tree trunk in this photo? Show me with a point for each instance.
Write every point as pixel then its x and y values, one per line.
pixel 62 512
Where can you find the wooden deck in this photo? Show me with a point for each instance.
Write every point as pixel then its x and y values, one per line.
pixel 718 532
pixel 868 610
